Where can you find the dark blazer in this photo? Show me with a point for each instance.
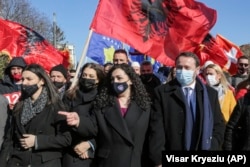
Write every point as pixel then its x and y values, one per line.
pixel 82 105
pixel 167 126
pixel 119 140
pixel 51 136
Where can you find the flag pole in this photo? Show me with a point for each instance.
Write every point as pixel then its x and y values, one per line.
pixel 83 56
pixel 54 29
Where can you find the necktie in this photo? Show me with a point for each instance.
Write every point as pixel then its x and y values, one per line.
pixel 189 120
pixel 187 95
pixel 190 102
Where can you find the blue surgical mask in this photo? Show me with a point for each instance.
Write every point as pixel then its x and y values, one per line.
pixel 185 77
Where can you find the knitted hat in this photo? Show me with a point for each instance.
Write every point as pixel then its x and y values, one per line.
pixel 61 69
pixel 16 61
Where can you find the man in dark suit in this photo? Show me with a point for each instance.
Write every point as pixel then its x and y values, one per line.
pixel 185 120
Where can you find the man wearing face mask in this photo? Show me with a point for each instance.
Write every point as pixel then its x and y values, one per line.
pixel 11 84
pixel 242 71
pixel 59 75
pixel 12 76
pixel 186 114
pixel 148 78
pixel 10 88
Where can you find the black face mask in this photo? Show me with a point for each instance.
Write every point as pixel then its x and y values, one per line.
pixel 146 77
pixel 119 88
pixel 87 84
pixel 58 84
pixel 28 90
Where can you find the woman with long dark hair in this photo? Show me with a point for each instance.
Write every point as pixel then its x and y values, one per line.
pixel 37 133
pixel 80 99
pixel 119 120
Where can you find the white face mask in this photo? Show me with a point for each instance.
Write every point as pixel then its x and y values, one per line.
pixel 211 80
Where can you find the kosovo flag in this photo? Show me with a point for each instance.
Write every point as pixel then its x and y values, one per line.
pixel 101 48
pixel 135 55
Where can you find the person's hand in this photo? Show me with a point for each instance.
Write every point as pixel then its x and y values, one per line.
pixel 84 155
pixel 72 118
pixel 27 141
pixel 82 147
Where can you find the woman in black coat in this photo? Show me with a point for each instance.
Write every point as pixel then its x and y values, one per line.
pixel 37 133
pixel 237 134
pixel 79 99
pixel 119 120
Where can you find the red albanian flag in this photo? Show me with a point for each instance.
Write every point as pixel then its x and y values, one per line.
pixel 211 50
pixel 158 28
pixel 20 40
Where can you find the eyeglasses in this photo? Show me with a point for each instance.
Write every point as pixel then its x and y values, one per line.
pixel 243 64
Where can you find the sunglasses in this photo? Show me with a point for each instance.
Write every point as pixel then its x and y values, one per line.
pixel 243 64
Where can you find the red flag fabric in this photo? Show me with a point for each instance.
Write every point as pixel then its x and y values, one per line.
pixel 232 52
pixel 158 28
pixel 20 40
pixel 211 50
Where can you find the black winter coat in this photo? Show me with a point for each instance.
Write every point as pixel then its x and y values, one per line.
pixel 82 105
pixel 119 139
pixel 51 136
pixel 167 125
pixel 237 135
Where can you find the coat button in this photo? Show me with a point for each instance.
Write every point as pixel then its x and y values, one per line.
pixel 180 132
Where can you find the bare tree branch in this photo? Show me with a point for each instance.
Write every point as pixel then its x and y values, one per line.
pixel 22 12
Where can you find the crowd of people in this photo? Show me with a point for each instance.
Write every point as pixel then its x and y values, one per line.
pixel 120 114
